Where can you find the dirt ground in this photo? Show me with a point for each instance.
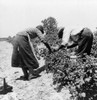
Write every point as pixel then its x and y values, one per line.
pixel 40 88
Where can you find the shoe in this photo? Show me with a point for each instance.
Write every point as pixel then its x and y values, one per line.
pixel 31 76
pixel 24 77
pixel 41 69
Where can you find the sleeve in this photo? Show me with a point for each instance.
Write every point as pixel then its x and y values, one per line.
pixel 60 33
pixel 34 32
pixel 39 33
pixel 65 37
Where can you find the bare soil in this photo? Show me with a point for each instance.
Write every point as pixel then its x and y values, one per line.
pixel 41 88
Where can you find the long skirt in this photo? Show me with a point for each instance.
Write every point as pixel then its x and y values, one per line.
pixel 85 42
pixel 22 55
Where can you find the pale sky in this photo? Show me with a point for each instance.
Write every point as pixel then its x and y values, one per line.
pixel 16 15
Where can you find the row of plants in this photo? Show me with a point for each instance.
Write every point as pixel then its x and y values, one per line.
pixel 78 75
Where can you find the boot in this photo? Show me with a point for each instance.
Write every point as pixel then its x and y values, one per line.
pixel 39 70
pixel 26 75
pixel 32 74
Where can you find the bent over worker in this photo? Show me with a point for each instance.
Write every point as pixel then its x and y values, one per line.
pixel 23 56
pixel 81 37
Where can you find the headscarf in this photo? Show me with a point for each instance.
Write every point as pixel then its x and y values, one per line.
pixel 40 27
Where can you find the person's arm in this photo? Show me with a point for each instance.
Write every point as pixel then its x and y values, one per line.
pixel 47 45
pixel 73 41
pixel 39 34
pixel 41 37
pixel 61 47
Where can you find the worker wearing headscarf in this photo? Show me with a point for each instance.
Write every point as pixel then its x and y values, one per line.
pixel 23 52
pixel 81 37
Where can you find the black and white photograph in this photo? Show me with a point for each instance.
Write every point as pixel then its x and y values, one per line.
pixel 48 49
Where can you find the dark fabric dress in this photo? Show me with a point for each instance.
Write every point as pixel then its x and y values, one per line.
pixel 22 55
pixel 84 41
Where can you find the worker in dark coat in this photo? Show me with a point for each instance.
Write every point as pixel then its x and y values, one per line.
pixel 81 37
pixel 23 54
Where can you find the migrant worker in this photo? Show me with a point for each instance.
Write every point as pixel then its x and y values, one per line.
pixel 80 37
pixel 23 53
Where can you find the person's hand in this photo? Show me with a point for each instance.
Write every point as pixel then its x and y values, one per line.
pixel 62 47
pixel 73 57
pixel 57 49
pixel 54 50
pixel 42 41
pixel 47 45
pixel 73 53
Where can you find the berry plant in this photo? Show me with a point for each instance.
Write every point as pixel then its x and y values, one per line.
pixel 78 75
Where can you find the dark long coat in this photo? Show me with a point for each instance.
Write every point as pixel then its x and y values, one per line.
pixel 23 55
